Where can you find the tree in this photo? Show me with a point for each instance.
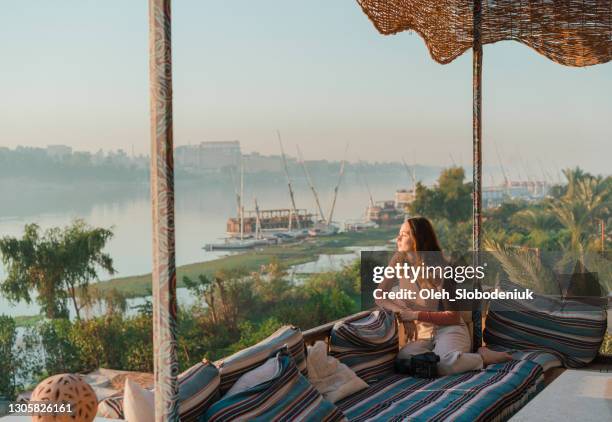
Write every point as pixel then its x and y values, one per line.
pixel 586 200
pixel 58 264
pixel 449 199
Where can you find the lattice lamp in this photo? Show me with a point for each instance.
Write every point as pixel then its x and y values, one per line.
pixel 66 389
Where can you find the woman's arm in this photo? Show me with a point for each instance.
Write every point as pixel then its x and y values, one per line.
pixel 437 318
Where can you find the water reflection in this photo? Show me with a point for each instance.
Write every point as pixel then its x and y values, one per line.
pixel 201 214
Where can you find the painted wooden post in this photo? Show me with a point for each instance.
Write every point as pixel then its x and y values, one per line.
pixel 477 154
pixel 162 203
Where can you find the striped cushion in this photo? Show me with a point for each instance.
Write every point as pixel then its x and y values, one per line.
pixel 198 389
pixel 492 394
pixel 288 396
pixel 234 366
pixel 571 331
pixel 111 407
pixel 368 346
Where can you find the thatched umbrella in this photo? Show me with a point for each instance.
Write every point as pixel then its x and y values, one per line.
pixel 569 32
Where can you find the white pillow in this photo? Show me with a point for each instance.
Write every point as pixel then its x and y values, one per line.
pixel 256 376
pixel 138 403
pixel 334 380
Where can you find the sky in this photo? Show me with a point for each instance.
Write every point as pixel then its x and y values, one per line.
pixel 75 72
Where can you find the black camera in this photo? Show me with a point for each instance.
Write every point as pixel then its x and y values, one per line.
pixel 424 365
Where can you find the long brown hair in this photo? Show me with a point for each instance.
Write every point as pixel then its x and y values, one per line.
pixel 425 239
pixel 426 247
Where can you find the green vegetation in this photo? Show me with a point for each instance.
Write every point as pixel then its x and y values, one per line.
pixel 8 358
pixel 237 309
pixel 289 254
pixel 28 320
pixel 58 265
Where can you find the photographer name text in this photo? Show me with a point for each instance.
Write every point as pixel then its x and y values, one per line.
pixel 459 294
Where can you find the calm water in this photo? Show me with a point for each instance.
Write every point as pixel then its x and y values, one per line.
pixel 201 214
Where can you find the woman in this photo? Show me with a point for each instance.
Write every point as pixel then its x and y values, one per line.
pixel 438 327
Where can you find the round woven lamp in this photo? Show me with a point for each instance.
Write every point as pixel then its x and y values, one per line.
pixel 66 389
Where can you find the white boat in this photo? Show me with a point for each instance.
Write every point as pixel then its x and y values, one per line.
pixel 357 226
pixel 323 230
pixel 237 244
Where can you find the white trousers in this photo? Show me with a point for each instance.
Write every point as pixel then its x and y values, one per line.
pixel 453 344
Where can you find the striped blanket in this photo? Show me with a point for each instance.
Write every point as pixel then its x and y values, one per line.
pixel 492 394
pixel 368 346
pixel 544 359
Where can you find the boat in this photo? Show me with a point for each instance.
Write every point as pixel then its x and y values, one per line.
pixel 236 244
pixel 270 222
pixel 385 213
pixel 323 229
pixel 358 226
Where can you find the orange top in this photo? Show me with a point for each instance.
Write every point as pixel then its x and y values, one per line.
pixel 440 318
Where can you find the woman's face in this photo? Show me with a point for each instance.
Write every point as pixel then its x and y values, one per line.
pixel 405 241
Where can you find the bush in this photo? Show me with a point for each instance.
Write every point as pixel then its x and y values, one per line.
pixel 8 359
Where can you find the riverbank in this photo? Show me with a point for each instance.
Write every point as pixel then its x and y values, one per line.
pixel 288 254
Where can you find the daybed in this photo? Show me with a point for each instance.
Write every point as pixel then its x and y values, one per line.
pixel 367 342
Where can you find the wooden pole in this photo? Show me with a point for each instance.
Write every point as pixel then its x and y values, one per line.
pixel 162 203
pixel 477 154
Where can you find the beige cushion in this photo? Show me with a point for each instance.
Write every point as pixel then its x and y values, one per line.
pixel 334 380
pixel 138 403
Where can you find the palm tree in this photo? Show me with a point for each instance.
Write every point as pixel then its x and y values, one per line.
pixel 587 199
pixel 540 224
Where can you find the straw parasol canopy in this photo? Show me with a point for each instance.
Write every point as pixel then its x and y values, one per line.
pixel 569 32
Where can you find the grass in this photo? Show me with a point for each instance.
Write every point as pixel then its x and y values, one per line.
pixel 27 320
pixel 287 254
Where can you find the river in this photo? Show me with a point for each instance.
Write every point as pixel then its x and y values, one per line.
pixel 201 214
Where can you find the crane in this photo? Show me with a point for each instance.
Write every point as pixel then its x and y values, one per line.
pixel 411 174
pixel 365 181
pixel 501 165
pixel 333 206
pixel 294 208
pixel 312 188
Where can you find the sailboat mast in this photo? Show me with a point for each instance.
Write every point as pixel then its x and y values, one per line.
pixel 237 194
pixel 241 198
pixel 294 208
pixel 257 221
pixel 312 188
pixel 365 181
pixel 331 210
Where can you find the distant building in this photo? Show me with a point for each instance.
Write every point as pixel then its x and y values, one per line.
pixel 403 198
pixel 255 162
pixel 208 156
pixel 59 151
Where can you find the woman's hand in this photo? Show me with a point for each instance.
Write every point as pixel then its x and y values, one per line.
pixel 408 315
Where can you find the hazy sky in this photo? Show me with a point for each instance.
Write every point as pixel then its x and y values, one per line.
pixel 76 72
